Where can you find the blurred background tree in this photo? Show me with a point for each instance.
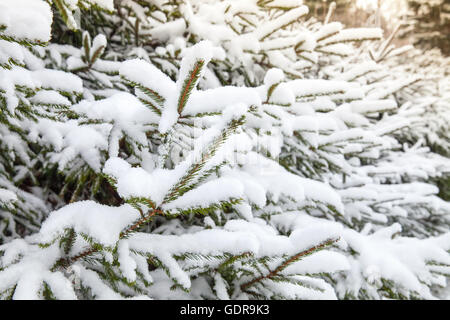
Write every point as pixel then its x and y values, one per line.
pixel 428 24
pixel 425 23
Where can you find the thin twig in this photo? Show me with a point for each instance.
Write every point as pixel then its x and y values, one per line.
pixel 294 258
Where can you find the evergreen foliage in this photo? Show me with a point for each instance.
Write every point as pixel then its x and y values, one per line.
pixel 218 150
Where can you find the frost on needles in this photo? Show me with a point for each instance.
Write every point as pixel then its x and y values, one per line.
pixel 204 150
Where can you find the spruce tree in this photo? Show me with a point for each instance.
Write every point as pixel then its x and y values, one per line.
pixel 428 23
pixel 218 150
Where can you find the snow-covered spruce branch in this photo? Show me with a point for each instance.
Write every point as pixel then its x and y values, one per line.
pixel 280 133
pixel 287 262
pixel 66 262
